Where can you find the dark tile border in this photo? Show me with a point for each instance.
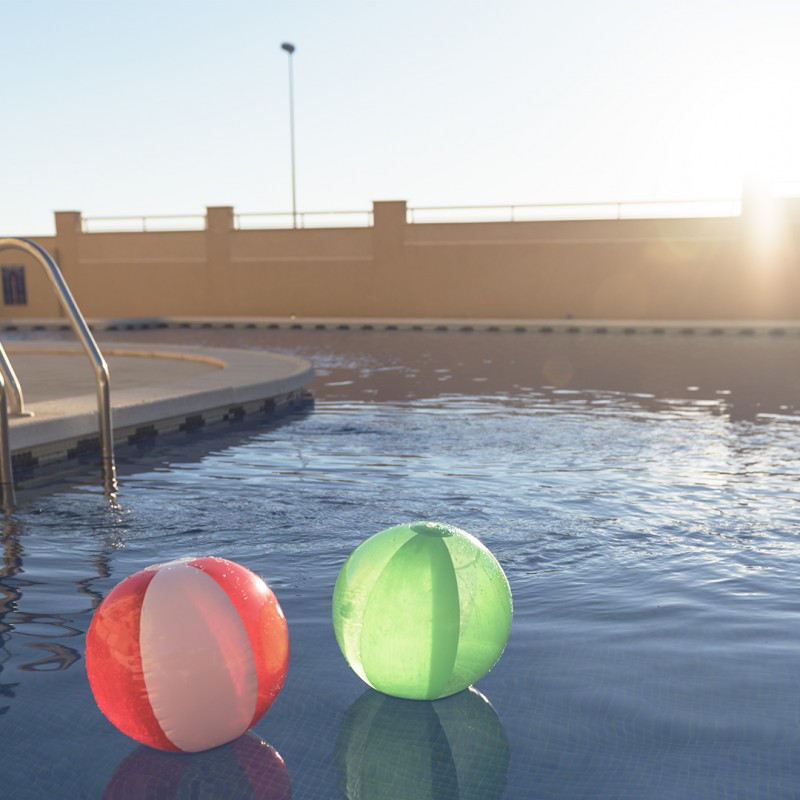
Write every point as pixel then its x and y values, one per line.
pixel 570 326
pixel 50 460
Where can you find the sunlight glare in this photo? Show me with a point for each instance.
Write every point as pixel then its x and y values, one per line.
pixel 747 122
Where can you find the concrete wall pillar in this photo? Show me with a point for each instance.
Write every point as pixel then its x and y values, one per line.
pixel 219 276
pixel 67 250
pixel 67 244
pixel 389 256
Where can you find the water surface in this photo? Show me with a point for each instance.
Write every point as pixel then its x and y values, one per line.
pixel 640 492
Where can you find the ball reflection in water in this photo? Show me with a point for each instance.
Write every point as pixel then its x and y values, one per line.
pixel 451 749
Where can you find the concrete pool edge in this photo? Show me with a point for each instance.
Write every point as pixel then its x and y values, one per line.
pixel 232 385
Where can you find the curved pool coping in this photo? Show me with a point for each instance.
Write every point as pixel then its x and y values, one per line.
pixel 202 386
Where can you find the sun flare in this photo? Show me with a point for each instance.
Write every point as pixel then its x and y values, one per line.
pixel 740 99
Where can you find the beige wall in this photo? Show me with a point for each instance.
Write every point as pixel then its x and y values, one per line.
pixel 615 269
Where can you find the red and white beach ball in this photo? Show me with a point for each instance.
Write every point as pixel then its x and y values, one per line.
pixel 187 655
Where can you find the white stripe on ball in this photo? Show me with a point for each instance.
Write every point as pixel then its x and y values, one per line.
pixel 196 658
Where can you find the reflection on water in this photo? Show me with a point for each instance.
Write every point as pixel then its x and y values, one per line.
pixel 246 769
pixel 740 376
pixel 450 749
pixel 743 377
pixel 10 592
pixel 52 655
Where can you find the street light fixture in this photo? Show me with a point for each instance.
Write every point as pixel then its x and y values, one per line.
pixel 290 48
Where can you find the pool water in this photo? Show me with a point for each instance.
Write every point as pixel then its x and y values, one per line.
pixel 641 493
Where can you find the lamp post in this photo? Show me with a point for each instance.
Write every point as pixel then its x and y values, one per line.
pixel 289 48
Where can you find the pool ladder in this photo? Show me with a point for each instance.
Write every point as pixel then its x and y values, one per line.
pixel 11 400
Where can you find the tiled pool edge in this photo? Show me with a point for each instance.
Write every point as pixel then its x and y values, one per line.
pixel 536 326
pixel 52 458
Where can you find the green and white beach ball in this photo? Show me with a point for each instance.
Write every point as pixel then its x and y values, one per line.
pixel 421 610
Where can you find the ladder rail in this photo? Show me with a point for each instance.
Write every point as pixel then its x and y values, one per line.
pixel 7 497
pixel 81 329
pixel 13 390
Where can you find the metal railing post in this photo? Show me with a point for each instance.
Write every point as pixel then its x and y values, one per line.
pixel 13 390
pixel 7 497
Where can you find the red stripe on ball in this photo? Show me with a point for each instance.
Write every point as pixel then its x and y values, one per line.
pixel 114 663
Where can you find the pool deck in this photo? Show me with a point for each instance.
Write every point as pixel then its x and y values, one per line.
pixel 154 390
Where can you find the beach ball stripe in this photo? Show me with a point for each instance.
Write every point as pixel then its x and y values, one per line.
pixel 433 589
pixel 263 622
pixel 113 642
pixel 187 655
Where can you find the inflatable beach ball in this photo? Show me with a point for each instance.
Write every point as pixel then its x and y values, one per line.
pixel 421 610
pixel 187 655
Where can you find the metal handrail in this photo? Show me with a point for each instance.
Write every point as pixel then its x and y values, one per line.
pixel 80 327
pixel 508 212
pixel 13 390
pixel 728 207
pixel 303 217
pixel 7 497
pixel 140 220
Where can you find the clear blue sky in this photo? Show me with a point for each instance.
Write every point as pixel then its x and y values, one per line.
pixel 168 106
